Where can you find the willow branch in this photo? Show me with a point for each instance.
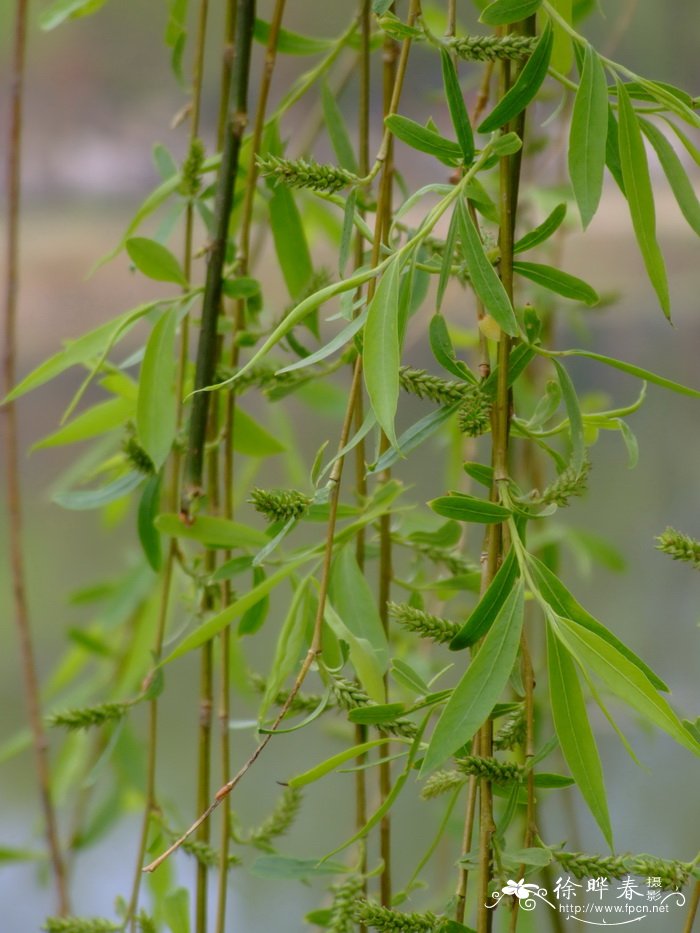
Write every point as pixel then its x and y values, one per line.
pixel 225 189
pixel 14 494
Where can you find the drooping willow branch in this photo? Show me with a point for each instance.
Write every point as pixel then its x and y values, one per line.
pixel 225 189
pixel 14 503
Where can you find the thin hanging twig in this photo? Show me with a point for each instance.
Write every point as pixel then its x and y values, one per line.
pixel 14 495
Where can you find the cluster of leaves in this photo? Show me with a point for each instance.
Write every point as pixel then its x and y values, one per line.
pixel 376 680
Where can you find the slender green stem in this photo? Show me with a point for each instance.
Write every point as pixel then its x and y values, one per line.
pixel 207 345
pixel 467 834
pixel 360 465
pixel 14 493
pixel 692 909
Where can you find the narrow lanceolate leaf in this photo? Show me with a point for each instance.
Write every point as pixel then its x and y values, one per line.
pixel 149 536
pixel 677 178
pixel 101 418
pixel 587 140
pixel 502 12
pixel 156 406
pixel 345 335
pixel 354 602
pixel 543 231
pixel 525 88
pixel 458 110
pixel 382 353
pixel 252 438
pixel 447 256
pixel 481 687
pixel 444 351
pixel 561 283
pixel 574 732
pixel 289 646
pixel 424 140
pixel 84 499
pixel 335 124
pixel 484 279
pixel 640 196
pixel 564 604
pixel 290 239
pixel 61 10
pixel 469 509
pixel 573 410
pixel 211 531
pixel 154 260
pixel 623 679
pixel 488 607
pixel 291 43
pixel 330 764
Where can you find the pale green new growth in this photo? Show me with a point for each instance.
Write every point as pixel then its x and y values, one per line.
pixel 672 874
pixel 385 920
pixel 442 782
pixel 280 505
pixel 498 772
pixel 89 716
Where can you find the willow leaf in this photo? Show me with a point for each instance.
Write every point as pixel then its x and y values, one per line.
pixel 588 136
pixel 574 732
pixel 681 186
pixel 464 508
pixel 458 110
pixel 526 87
pixel 382 353
pixel 640 196
pixel 564 603
pixel 488 607
pixel 484 279
pixel 561 283
pixel 156 406
pixel 480 688
pixel 502 12
pixel 624 679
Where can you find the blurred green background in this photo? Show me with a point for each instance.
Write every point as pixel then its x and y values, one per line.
pixel 99 94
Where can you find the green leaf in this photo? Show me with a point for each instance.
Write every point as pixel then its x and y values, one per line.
pixel 573 410
pixel 211 531
pixel 290 239
pixel 588 136
pixel 458 110
pixel 640 196
pixel 628 368
pixel 624 679
pixel 345 335
pixel 563 47
pixel 254 617
pixel 612 150
pixel 354 602
pixel 251 438
pixel 376 715
pixel 424 140
pixel 382 353
pixel 156 407
pixel 484 279
pixel 289 645
pixel 282 866
pixel 81 350
pixel 444 351
pixel 154 260
pixel 488 607
pixel 291 43
pixel 176 909
pixel 149 537
pixel 562 283
pixel 218 622
pixel 564 604
pixel 526 87
pixel 332 763
pixel 574 732
pixel 101 418
pixel 337 131
pixel 480 472
pixel 446 264
pixel 347 231
pixel 681 186
pixel 542 232
pixel 61 10
pixel 480 688
pixel 414 436
pixel 368 667
pixel 502 12
pixel 83 499
pixel 464 508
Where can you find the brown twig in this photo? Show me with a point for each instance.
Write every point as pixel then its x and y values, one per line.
pixel 14 495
